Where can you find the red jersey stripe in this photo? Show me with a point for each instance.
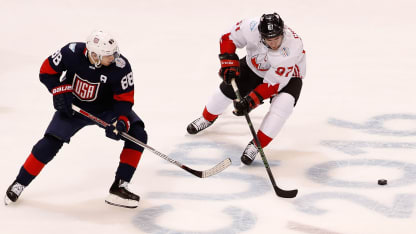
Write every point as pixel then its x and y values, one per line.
pixel 47 69
pixel 227 45
pixel 297 72
pixel 126 97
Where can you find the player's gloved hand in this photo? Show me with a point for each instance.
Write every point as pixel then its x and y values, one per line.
pixel 247 104
pixel 62 99
pixel 230 67
pixel 113 131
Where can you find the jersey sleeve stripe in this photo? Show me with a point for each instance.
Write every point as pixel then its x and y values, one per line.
pixel 296 73
pixel 125 97
pixel 47 69
pixel 227 45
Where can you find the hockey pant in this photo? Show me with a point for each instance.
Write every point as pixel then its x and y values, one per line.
pixel 62 128
pixel 281 108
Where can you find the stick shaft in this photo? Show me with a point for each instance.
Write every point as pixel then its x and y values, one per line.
pixel 279 191
pixel 202 174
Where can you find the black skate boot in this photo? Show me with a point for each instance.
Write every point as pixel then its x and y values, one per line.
pixel 249 153
pixel 121 196
pixel 198 125
pixel 13 193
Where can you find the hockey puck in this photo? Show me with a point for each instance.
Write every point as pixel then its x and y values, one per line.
pixel 382 182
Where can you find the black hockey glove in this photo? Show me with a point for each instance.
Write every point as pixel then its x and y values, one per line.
pixel 230 67
pixel 247 104
pixel 62 99
pixel 113 131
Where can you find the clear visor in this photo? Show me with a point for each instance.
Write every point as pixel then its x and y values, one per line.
pixel 115 55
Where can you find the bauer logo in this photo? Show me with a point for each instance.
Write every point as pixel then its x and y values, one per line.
pixel 85 90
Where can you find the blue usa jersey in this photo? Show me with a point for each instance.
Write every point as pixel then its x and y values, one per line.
pixel 96 90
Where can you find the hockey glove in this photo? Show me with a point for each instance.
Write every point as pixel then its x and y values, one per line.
pixel 62 99
pixel 114 130
pixel 230 67
pixel 247 104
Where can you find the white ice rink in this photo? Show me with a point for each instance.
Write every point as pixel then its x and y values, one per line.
pixel 354 122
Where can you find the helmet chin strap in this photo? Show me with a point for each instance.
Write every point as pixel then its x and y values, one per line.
pixel 97 64
pixel 263 40
pixel 264 43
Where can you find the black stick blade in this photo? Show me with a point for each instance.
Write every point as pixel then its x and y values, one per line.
pixel 285 193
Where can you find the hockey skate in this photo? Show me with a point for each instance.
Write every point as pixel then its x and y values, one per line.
pixel 249 153
pixel 13 193
pixel 121 196
pixel 198 125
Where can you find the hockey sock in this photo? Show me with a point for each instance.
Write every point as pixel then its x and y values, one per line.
pixel 263 138
pixel 129 159
pixel 42 153
pixel 208 116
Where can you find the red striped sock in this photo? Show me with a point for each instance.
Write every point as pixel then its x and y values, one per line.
pixel 208 116
pixel 263 138
pixel 130 157
pixel 33 165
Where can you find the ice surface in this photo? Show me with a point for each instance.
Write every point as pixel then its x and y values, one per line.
pixel 354 123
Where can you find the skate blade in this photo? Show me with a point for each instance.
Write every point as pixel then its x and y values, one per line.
pixel 121 202
pixel 7 200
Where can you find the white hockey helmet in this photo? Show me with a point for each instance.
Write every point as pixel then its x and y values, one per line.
pixel 102 44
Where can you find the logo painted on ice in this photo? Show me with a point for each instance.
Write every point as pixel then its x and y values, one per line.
pixel 85 90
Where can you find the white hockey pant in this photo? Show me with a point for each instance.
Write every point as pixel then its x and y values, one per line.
pixel 280 110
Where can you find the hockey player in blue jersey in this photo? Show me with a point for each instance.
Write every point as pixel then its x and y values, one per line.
pixel 98 79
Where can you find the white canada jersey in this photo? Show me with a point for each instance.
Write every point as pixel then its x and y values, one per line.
pixel 275 66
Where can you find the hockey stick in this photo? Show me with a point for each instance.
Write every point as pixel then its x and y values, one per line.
pixel 201 174
pixel 279 192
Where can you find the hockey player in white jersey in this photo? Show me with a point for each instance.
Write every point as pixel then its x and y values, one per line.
pixel 274 68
